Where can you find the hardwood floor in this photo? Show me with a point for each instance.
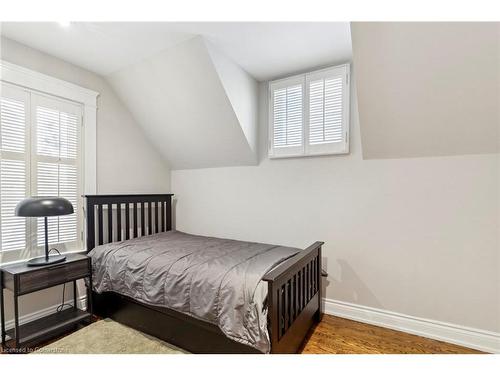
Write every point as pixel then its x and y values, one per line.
pixel 342 336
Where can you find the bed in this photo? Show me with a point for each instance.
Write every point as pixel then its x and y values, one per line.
pixel 203 294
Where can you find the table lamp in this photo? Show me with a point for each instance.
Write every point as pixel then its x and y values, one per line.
pixel 44 207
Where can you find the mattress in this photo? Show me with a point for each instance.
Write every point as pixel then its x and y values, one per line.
pixel 212 279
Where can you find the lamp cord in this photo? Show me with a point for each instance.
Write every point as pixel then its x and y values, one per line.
pixel 61 306
pixel 54 250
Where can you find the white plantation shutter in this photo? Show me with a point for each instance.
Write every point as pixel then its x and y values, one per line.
pixel 287 117
pixel 319 114
pixel 47 186
pixel 325 111
pixel 40 139
pixel 56 132
pixel 14 166
pixel 328 110
pixel 13 182
pixel 68 188
pixel 13 113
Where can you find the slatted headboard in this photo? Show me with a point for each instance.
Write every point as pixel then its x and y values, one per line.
pixel 151 213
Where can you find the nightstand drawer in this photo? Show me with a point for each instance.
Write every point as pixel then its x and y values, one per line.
pixel 53 275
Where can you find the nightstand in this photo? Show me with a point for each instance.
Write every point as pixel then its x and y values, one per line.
pixel 21 280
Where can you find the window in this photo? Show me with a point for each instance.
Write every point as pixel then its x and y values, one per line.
pixel 309 114
pixel 40 155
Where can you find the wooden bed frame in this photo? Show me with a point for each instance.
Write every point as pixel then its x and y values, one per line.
pixel 294 286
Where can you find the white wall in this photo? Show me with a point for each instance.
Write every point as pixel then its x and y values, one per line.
pixel 126 162
pixel 417 236
pixel 428 88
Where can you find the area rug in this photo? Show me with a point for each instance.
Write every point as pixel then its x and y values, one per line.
pixel 109 337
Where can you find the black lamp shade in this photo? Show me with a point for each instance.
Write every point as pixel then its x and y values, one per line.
pixel 44 206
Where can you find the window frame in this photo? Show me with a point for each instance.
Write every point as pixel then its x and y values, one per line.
pixel 306 149
pixel 44 85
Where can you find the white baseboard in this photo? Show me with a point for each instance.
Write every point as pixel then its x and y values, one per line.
pixel 81 303
pixel 465 336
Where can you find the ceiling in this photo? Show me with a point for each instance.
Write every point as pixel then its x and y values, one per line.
pixel 266 50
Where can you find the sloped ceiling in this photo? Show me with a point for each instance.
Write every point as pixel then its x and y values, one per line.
pixel 427 89
pixel 196 106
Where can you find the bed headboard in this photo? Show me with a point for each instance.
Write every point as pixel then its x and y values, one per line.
pixel 127 216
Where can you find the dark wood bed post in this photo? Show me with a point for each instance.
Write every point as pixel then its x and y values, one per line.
pixel 90 223
pixel 294 297
pixel 294 286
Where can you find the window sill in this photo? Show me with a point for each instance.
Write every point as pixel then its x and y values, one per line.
pixel 291 156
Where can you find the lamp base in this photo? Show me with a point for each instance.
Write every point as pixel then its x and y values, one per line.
pixel 42 261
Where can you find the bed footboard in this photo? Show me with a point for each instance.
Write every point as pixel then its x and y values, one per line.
pixel 294 297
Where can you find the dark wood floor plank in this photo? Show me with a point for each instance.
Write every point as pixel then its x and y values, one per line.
pixel 335 335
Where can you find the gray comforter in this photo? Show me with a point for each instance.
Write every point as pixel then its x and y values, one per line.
pixel 212 279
